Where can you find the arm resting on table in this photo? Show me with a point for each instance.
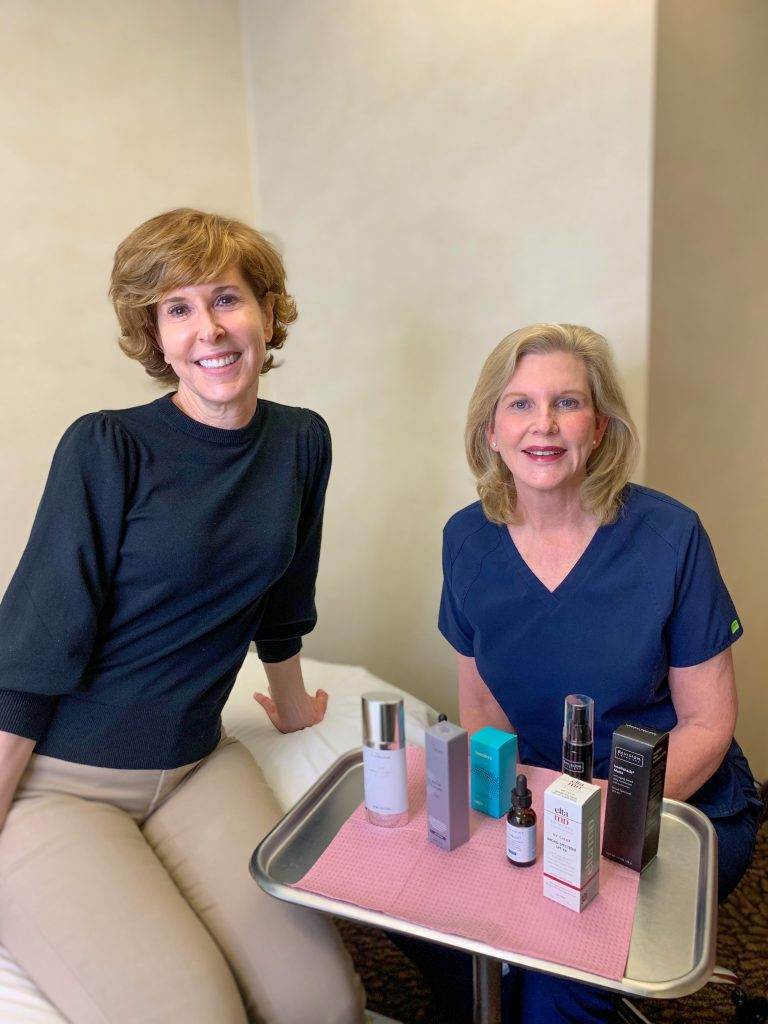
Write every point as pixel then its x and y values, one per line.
pixel 705 702
pixel 477 705
pixel 15 752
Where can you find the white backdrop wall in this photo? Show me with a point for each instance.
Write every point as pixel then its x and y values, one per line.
pixel 439 174
pixel 109 114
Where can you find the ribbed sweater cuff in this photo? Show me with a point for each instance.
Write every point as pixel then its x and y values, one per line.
pixel 278 650
pixel 25 714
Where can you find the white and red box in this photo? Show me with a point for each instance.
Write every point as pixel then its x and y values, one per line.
pixel 571 842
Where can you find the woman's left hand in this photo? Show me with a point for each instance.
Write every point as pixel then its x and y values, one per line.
pixel 294 714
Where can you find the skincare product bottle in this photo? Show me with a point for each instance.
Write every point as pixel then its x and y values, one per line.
pixel 578 731
pixel 446 758
pixel 521 826
pixel 385 778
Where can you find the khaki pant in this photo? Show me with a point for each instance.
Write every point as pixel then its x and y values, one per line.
pixel 126 896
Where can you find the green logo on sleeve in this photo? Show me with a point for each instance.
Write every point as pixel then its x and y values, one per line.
pixel 735 626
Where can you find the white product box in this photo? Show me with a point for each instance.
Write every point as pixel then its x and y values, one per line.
pixel 571 842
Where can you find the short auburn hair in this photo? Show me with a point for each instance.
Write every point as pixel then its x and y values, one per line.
pixel 609 467
pixel 181 248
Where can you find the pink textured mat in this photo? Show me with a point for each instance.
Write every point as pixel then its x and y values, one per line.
pixel 474 891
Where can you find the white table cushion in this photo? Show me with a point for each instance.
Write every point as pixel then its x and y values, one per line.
pixel 291 763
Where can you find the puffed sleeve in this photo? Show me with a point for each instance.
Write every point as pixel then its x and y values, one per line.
pixel 703 621
pixel 50 613
pixel 290 605
pixel 452 622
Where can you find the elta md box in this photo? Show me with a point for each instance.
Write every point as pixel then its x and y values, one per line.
pixel 571 842
pixel 493 762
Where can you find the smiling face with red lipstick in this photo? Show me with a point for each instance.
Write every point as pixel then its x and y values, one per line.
pixel 214 335
pixel 545 426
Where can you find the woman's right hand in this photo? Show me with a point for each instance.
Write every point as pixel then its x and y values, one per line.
pixel 288 705
pixel 301 713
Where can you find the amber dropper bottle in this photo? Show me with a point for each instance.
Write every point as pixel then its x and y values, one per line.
pixel 521 826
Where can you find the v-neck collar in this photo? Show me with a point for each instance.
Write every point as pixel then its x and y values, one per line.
pixel 575 576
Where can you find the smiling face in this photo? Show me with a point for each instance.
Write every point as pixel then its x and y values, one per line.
pixel 545 426
pixel 214 336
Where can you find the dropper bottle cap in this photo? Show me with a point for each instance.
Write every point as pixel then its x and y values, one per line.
pixel 521 795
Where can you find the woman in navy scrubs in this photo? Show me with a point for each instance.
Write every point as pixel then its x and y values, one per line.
pixel 566 578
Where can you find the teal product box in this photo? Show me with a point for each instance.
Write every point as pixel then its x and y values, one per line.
pixel 492 770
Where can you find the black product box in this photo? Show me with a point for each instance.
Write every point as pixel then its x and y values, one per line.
pixel 634 795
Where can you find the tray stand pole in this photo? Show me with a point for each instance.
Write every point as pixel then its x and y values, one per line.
pixel 486 982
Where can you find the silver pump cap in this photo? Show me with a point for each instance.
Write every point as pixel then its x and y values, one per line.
pixel 383 720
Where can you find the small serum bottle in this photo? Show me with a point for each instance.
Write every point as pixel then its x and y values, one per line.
pixel 521 826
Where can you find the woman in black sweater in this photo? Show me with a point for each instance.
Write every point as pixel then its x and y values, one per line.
pixel 169 536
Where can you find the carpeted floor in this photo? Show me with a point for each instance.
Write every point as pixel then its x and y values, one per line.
pixel 397 990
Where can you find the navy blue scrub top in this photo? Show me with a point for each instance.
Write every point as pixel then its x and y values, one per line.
pixel 645 595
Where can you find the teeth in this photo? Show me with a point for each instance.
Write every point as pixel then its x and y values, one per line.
pixel 544 451
pixel 213 364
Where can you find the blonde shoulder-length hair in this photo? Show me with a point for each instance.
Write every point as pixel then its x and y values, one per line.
pixel 609 467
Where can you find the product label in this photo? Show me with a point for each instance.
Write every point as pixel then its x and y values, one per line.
pixel 385 780
pixel 521 843
pixel 571 846
pixel 632 756
pixel 437 828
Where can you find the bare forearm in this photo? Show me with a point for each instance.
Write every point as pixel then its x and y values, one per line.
pixel 705 701
pixel 694 754
pixel 477 705
pixel 15 752
pixel 286 683
pixel 476 716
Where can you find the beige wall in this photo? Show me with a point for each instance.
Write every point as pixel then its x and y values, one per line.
pixel 709 357
pixel 109 113
pixel 439 173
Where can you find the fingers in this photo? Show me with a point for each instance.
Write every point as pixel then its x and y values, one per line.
pixel 269 707
pixel 291 720
pixel 266 702
pixel 322 704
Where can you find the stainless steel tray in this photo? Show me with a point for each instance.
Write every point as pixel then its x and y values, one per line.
pixel 672 950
